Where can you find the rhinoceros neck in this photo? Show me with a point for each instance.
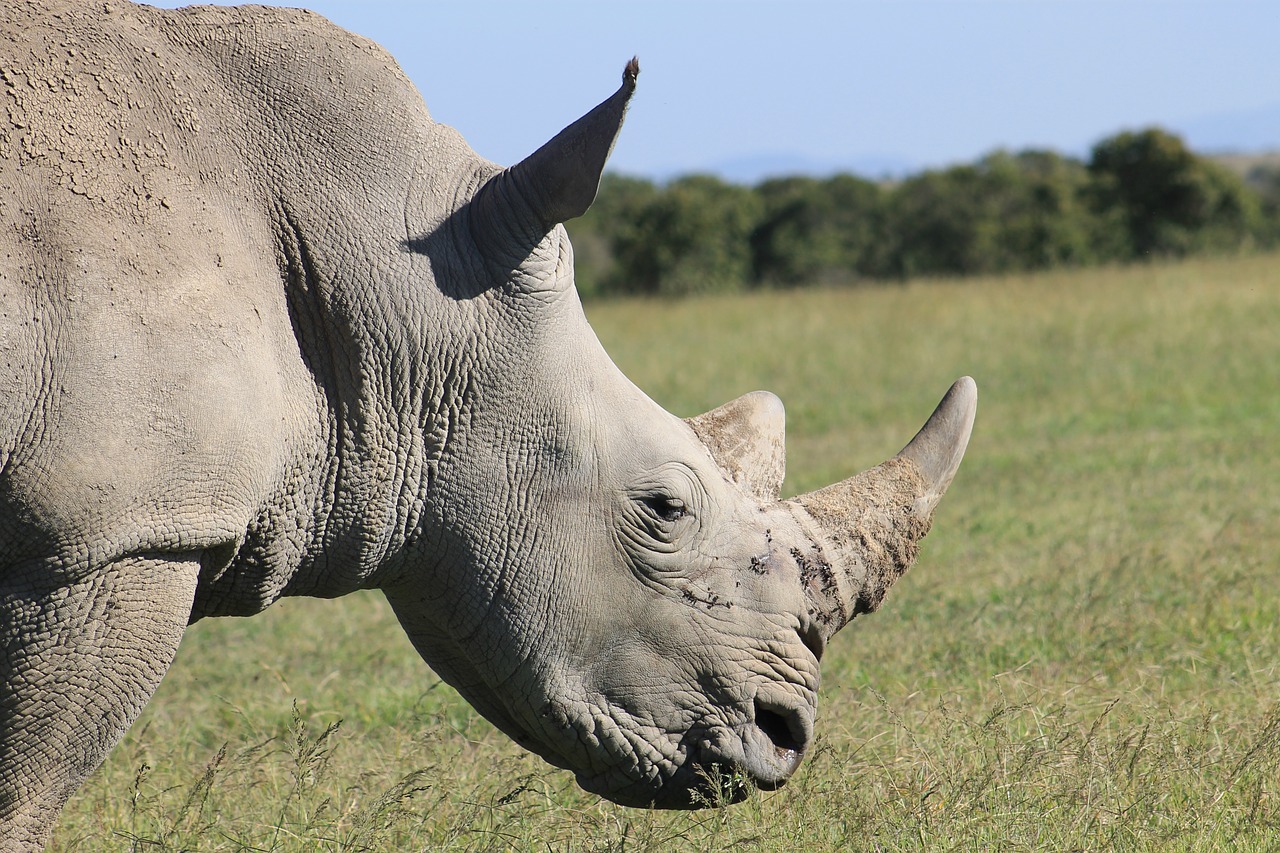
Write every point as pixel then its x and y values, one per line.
pixel 379 375
pixel 391 355
pixel 336 149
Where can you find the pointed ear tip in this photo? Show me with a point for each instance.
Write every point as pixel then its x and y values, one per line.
pixel 631 71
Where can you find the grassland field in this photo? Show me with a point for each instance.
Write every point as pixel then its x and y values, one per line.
pixel 1086 657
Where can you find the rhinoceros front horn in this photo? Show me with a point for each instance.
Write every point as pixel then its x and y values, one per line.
pixel 864 532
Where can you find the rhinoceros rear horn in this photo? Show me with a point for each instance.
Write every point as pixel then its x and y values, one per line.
pixel 559 181
pixel 864 532
pixel 747 439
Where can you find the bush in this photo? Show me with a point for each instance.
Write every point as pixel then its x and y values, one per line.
pixel 1007 212
pixel 1171 202
pixel 1142 194
pixel 817 231
pixel 612 219
pixel 693 237
pixel 1265 181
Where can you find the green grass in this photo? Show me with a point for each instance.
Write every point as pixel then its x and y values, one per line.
pixel 1084 658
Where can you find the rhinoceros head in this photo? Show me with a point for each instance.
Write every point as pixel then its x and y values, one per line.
pixel 620 590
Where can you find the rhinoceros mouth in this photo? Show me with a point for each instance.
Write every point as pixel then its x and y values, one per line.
pixel 706 779
pixel 714 762
pixel 694 785
pixel 711 783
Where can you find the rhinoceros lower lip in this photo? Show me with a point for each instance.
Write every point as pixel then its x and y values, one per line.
pixel 789 761
pixel 706 780
pixel 726 782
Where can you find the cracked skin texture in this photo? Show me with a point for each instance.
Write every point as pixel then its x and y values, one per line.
pixel 266 329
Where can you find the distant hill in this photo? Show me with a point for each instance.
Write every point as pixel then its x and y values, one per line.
pixel 751 169
pixel 1240 140
pixel 1242 163
pixel 1242 130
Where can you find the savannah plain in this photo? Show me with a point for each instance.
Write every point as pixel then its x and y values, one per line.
pixel 1085 657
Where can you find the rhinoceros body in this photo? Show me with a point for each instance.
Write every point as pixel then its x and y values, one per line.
pixel 268 330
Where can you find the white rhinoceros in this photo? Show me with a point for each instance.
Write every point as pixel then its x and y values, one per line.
pixel 268 330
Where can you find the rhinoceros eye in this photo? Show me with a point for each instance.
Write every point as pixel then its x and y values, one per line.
pixel 662 510
pixel 665 507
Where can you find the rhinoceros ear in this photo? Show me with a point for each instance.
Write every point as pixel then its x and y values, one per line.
pixel 746 438
pixel 559 181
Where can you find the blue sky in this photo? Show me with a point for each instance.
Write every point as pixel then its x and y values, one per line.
pixel 750 86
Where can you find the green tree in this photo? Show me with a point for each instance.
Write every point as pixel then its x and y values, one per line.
pixel 933 220
pixel 1168 200
pixel 1264 179
pixel 691 237
pixel 817 231
pixel 1041 205
pixel 1006 212
pixel 613 217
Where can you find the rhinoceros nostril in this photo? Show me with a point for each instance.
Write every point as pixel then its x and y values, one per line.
pixel 786 731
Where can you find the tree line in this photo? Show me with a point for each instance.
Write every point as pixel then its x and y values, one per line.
pixel 1141 194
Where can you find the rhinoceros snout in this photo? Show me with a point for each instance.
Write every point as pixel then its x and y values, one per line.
pixel 763 753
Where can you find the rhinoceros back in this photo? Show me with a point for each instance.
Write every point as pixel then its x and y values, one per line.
pixel 199 209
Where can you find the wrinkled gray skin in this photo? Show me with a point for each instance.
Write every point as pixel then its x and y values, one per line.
pixel 267 330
